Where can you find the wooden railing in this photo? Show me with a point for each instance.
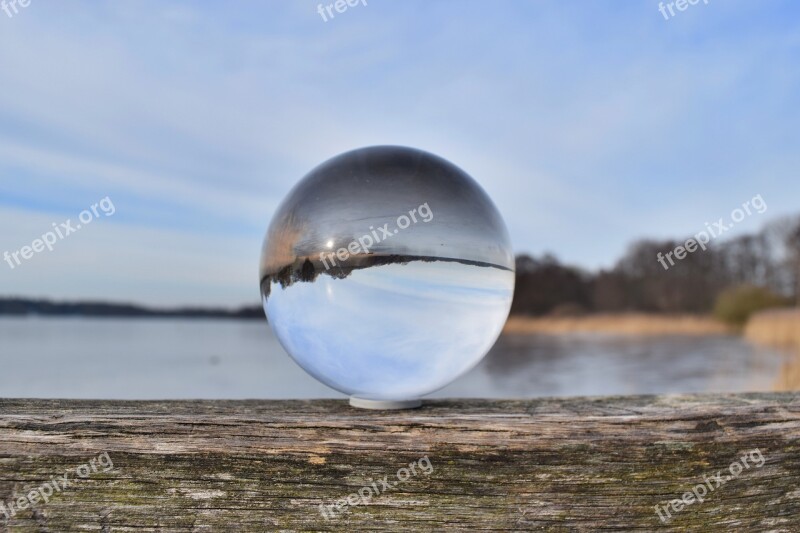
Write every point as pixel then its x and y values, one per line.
pixel 580 464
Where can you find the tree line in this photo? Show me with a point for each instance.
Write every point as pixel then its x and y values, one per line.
pixel 768 259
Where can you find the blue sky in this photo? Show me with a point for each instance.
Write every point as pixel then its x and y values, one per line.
pixel 590 124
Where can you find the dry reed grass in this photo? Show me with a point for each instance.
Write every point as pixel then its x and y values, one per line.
pixel 622 324
pixel 778 328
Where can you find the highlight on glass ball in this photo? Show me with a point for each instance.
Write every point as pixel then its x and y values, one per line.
pixel 386 274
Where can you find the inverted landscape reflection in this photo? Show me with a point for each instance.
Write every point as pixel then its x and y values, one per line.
pixel 439 318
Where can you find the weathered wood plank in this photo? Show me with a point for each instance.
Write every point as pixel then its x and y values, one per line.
pixel 580 464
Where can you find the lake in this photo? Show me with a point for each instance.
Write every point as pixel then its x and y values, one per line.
pixel 177 358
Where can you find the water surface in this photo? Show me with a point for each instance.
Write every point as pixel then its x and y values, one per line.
pixel 177 358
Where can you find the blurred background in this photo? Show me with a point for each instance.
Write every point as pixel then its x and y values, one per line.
pixel 144 147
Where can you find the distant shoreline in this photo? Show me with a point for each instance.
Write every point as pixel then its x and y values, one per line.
pixel 775 328
pixel 21 307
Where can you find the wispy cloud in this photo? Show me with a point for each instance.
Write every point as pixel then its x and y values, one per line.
pixel 590 124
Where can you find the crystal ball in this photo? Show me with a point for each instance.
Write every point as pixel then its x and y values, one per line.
pixel 386 273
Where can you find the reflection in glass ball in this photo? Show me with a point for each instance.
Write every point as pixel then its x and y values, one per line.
pixel 386 273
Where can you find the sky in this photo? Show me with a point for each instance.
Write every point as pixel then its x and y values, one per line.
pixel 590 124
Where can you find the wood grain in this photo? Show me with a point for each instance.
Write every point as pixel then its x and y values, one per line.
pixel 576 464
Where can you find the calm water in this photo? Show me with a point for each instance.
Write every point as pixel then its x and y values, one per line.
pixel 148 359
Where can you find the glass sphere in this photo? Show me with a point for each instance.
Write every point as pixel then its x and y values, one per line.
pixel 387 273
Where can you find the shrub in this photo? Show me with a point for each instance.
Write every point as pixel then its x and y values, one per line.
pixel 735 305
